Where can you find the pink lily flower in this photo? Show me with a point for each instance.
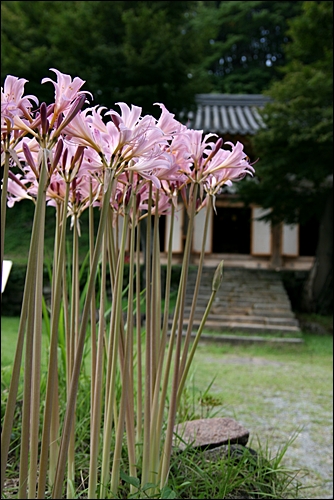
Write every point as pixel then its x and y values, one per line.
pixel 235 159
pixel 79 131
pixel 154 168
pixel 13 103
pixel 137 136
pixel 66 90
pixel 167 123
pixel 194 148
pixel 17 189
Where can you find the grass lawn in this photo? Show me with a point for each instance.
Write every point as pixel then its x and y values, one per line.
pixel 277 393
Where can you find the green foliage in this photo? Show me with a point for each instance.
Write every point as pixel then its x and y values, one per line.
pixel 246 42
pixel 147 52
pixel 295 150
pixel 193 476
pixel 241 473
pixel 137 52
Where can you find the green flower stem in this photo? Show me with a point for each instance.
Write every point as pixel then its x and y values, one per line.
pixel 127 377
pixel 155 310
pixel 57 490
pixel 148 355
pixel 93 302
pixel 112 358
pixel 157 416
pixel 75 298
pixel 112 259
pixel 50 409
pixel 182 292
pixel 130 415
pixel 28 287
pixel 215 287
pixel 168 283
pixel 54 427
pixel 36 369
pixel 196 290
pixel 4 205
pixel 34 311
pixel 97 390
pixel 194 346
pixel 155 320
pixel 139 409
pixel 14 383
pixel 25 432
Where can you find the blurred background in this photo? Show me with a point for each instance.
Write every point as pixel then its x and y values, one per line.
pixel 147 52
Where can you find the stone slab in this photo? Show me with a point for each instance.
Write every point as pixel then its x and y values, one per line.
pixel 209 433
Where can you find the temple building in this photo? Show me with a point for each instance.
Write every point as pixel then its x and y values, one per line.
pixel 236 234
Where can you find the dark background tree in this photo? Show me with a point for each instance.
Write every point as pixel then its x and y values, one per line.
pixel 295 176
pixel 137 52
pixel 160 51
pixel 246 42
pixel 148 51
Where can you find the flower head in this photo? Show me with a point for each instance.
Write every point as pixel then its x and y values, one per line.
pixel 66 90
pixel 13 103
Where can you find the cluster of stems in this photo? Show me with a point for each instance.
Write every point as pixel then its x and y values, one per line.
pixel 133 171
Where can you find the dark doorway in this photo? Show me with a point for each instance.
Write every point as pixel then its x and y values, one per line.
pixel 162 230
pixel 231 230
pixel 308 237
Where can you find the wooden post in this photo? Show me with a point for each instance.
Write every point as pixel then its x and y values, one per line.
pixel 276 256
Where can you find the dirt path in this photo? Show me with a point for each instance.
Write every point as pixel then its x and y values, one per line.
pixel 275 416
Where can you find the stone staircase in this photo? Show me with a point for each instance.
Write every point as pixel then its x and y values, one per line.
pixel 249 301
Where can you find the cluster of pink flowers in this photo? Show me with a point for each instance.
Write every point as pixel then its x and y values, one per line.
pixel 88 148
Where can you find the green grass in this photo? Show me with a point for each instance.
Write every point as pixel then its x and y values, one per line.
pixel 281 394
pixel 21 216
pixel 275 392
pixel 246 375
pixel 9 331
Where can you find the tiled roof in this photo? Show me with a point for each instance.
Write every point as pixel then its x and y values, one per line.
pixel 228 113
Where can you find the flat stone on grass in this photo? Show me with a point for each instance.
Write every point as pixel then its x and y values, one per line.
pixel 209 433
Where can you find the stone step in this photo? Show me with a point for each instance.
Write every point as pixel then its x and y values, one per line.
pixel 249 339
pixel 222 326
pixel 263 320
pixel 228 302
pixel 244 308
pixel 258 284
pixel 236 295
pixel 248 300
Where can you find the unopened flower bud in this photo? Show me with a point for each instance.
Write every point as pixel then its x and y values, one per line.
pixel 29 158
pixel 138 198
pixel 127 196
pixel 74 185
pixel 64 159
pixel 59 120
pixel 118 198
pixel 73 111
pixel 215 151
pixel 57 155
pixel 218 145
pixel 44 119
pixel 198 203
pixel 14 178
pixel 218 277
pixel 115 120
pixel 78 154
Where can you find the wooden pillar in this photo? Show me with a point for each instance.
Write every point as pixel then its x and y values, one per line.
pixel 276 256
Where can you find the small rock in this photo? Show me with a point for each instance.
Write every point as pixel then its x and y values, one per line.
pixel 209 433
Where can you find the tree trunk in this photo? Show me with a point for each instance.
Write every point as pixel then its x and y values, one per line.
pixel 318 289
